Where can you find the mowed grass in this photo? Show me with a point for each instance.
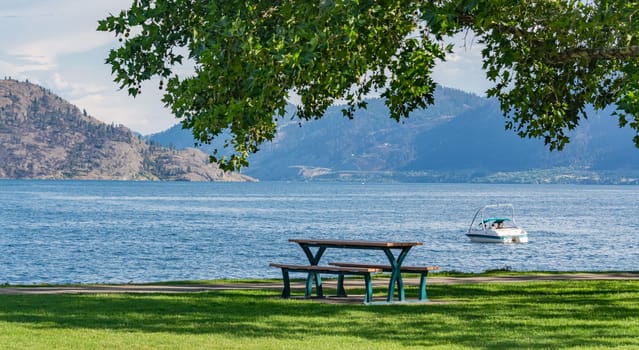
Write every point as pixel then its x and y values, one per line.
pixel 522 315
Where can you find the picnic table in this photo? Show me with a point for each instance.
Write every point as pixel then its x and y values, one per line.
pixel 387 247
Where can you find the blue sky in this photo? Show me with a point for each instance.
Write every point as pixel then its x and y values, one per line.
pixel 54 43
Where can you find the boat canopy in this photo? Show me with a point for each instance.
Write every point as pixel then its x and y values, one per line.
pixel 496 220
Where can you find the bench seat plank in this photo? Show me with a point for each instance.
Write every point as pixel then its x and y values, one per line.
pixel 328 269
pixel 386 268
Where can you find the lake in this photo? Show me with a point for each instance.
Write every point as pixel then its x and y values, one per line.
pixel 120 231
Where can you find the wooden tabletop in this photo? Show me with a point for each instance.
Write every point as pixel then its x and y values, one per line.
pixel 353 243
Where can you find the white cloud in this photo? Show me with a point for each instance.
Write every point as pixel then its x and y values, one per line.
pixel 43 53
pixel 122 109
pixel 38 32
pixel 14 68
pixel 462 69
pixel 76 89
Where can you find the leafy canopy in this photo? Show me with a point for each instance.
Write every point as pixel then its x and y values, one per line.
pixel 548 59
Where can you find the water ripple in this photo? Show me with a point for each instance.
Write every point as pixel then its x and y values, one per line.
pixel 118 232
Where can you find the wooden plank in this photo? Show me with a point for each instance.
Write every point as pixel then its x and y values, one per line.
pixel 327 269
pixel 386 268
pixel 353 243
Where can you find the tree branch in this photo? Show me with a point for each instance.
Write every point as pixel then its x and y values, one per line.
pixel 595 54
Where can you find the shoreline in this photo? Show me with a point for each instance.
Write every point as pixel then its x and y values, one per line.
pixel 168 287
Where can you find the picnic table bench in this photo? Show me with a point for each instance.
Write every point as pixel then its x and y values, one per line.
pixel 339 270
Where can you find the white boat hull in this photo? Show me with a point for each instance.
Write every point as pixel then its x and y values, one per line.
pixel 499 236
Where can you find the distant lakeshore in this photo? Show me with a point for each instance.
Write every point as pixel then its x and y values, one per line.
pixel 566 176
pixel 563 176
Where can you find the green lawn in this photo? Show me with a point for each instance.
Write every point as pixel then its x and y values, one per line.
pixel 530 315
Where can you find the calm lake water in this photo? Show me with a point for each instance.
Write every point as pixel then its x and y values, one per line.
pixel 118 232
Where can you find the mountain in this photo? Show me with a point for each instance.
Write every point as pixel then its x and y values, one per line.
pixel 44 137
pixel 461 138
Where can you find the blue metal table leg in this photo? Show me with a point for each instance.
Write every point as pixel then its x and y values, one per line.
pixel 422 286
pixel 368 298
pixel 313 259
pixel 341 292
pixel 396 276
pixel 286 292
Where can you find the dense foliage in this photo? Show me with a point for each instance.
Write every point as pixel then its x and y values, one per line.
pixel 548 59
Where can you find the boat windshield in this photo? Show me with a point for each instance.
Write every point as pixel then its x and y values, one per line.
pixel 496 220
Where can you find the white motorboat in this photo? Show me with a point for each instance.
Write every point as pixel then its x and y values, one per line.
pixel 495 223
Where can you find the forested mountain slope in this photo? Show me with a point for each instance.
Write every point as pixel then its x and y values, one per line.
pixel 461 138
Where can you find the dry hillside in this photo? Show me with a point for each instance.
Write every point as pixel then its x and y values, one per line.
pixel 44 137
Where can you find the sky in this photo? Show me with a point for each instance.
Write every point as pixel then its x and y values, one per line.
pixel 54 43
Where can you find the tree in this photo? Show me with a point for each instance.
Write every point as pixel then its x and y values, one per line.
pixel 547 58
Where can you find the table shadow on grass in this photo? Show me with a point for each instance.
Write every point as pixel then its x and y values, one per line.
pixel 481 316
